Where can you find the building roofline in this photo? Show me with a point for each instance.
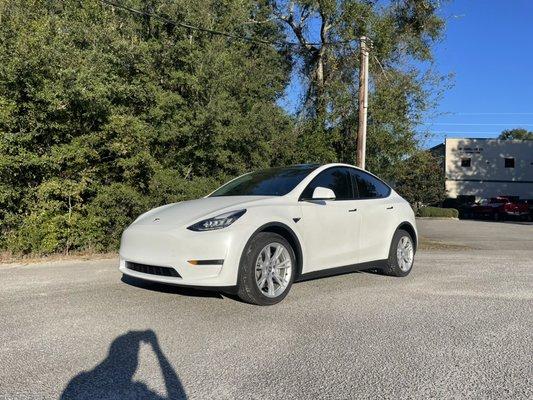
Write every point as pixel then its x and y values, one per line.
pixel 490 139
pixel 437 146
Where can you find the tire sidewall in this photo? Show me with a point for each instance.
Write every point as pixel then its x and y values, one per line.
pixel 247 280
pixel 393 257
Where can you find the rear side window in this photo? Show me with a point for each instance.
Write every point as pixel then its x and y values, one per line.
pixel 336 179
pixel 368 186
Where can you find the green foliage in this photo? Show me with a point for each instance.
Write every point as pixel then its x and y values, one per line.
pixel 436 212
pixel 420 180
pixel 516 134
pixel 105 113
pixel 403 84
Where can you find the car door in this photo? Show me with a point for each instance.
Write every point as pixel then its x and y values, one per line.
pixel 330 227
pixel 376 209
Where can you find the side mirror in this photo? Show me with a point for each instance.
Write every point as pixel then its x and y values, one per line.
pixel 322 193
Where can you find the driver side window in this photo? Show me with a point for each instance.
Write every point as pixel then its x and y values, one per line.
pixel 336 179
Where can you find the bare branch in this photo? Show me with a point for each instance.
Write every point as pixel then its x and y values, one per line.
pixel 324 28
pixel 382 69
pixel 291 9
pixel 306 12
pixel 295 27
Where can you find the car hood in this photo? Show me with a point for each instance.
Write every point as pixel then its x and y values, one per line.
pixel 188 212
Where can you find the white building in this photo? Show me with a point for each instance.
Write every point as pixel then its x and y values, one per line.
pixel 487 168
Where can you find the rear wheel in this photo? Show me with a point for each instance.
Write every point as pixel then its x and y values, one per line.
pixel 401 254
pixel 266 270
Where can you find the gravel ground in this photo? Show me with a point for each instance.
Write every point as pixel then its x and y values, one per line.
pixel 459 326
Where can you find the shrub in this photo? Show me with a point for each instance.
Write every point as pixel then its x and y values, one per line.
pixel 39 233
pixel 438 212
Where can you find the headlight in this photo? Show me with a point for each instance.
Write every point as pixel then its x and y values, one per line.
pixel 218 222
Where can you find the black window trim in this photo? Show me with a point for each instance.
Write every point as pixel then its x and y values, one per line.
pixel 300 198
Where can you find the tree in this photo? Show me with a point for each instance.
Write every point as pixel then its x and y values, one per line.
pixel 401 35
pixel 516 134
pixel 421 180
pixel 106 113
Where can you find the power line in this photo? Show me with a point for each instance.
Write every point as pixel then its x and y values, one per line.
pixel 465 133
pixel 222 33
pixel 185 25
pixel 475 124
pixel 492 113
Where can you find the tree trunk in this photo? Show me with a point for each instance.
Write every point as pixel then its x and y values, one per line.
pixel 320 72
pixel 320 101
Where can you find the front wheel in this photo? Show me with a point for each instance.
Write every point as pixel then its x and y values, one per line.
pixel 266 270
pixel 401 254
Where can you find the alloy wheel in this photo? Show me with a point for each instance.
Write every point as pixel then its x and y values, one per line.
pixel 405 253
pixel 273 269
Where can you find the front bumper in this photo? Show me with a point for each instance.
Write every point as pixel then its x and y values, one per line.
pixel 167 246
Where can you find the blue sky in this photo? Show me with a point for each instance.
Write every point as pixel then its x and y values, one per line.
pixel 488 45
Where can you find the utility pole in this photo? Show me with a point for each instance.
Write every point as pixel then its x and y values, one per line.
pixel 363 103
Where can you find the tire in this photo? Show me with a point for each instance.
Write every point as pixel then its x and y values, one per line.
pixel 393 267
pixel 254 267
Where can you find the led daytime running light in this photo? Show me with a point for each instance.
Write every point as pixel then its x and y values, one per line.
pixel 218 222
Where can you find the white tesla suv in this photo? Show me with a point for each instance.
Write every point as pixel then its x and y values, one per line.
pixel 262 231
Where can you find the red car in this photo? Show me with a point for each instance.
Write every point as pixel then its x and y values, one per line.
pixel 529 204
pixel 498 208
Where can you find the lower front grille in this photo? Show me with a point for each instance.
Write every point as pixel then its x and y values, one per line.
pixel 152 269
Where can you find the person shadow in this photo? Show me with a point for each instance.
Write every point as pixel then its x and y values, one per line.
pixel 112 378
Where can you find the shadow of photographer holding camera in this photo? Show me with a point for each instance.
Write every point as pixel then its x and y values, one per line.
pixel 112 378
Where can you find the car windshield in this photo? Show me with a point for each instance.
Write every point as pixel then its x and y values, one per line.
pixel 267 182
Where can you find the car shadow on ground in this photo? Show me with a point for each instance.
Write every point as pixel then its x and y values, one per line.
pixel 113 377
pixel 163 288
pixel 197 292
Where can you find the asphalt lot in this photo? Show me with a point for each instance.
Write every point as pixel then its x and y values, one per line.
pixel 458 327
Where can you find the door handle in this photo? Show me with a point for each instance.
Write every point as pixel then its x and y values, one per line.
pixel 390 208
pixel 352 210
